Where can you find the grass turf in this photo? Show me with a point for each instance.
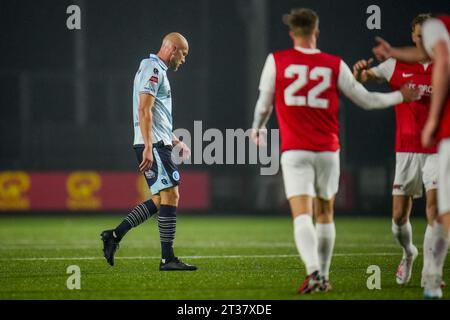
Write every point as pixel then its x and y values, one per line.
pixel 238 258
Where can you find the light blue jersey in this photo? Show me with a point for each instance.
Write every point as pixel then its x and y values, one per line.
pixel 152 78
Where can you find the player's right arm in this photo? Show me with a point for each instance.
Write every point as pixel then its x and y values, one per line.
pixel 264 104
pixel 355 91
pixel 384 51
pixel 148 88
pixel 146 102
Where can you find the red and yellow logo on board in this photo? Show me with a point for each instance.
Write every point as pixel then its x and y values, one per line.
pixel 13 188
pixel 81 188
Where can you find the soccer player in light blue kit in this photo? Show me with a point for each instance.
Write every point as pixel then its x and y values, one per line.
pixel 153 142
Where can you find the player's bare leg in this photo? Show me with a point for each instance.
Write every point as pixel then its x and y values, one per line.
pixel 167 226
pixel 445 220
pixel 442 245
pixel 433 275
pixel 441 229
pixel 306 240
pixel 326 235
pixel 402 230
pixel 432 212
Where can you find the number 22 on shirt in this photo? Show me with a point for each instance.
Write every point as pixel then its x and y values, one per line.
pixel 312 99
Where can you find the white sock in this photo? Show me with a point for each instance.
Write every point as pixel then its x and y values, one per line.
pixel 403 234
pixel 427 248
pixel 326 234
pixel 440 249
pixel 306 241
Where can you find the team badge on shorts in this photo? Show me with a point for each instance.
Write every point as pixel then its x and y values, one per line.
pixel 149 174
pixel 176 175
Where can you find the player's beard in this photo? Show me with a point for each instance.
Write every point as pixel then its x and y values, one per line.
pixel 173 65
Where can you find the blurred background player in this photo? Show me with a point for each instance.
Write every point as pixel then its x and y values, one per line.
pixel 416 166
pixel 436 45
pixel 304 83
pixel 153 142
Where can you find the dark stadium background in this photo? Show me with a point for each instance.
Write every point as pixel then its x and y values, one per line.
pixel 65 96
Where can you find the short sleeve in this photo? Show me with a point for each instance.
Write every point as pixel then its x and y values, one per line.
pixel 150 79
pixel 433 31
pixel 385 69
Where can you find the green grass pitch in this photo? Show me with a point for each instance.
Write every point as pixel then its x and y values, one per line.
pixel 238 258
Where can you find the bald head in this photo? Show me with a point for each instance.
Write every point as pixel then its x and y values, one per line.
pixel 175 39
pixel 174 50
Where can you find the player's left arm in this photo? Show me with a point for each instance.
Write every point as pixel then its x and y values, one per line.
pixel 181 146
pixel 440 80
pixel 436 42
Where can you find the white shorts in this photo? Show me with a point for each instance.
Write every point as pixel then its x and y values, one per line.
pixel 315 174
pixel 413 171
pixel 444 176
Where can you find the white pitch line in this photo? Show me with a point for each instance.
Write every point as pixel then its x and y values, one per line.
pixel 274 256
pixel 6 247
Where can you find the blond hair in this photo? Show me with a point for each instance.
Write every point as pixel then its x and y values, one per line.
pixel 302 22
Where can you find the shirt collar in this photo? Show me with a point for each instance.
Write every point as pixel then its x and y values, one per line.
pixel 425 64
pixel 161 63
pixel 307 50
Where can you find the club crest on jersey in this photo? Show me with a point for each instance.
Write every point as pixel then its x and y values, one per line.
pixel 155 71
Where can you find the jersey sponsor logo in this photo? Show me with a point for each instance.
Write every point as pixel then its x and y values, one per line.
pixel 406 75
pixel 154 79
pixel 426 90
pixel 176 175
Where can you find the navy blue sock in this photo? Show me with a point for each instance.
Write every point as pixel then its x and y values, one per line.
pixel 137 216
pixel 167 222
